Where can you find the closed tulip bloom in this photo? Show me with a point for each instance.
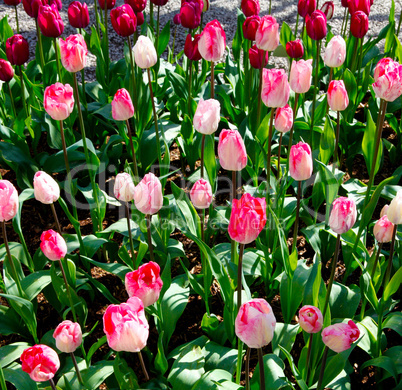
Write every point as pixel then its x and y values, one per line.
pixel 247 219
pixel 148 196
pixel 275 88
pixel 384 210
pixel 58 101
pixel 300 76
pixel 316 25
pixel 310 319
pixel 384 66
pixel 201 194
pixel 140 18
pixel 13 3
pixel 6 71
pixel 124 187
pixel 231 150
pixel 250 7
pixel 68 336
pixel 207 116
pixel 31 7
pixel 359 5
pixel 176 19
pixel 109 4
pixel 190 13
pixel 359 24
pixel 284 119
pixel 335 52
pixel 122 106
pixel 328 9
pixel 212 43
pixel 57 3
pixel 53 245
pixel 78 15
pixel 123 20
pixel 159 2
pixel 126 326
pixel 137 5
pixel 144 53
pixel 306 7
pixel 258 58
pixel 383 230
pixel 267 34
pixel 8 201
pixel 46 189
pixel 145 283
pixel 389 83
pixel 339 337
pixel 73 53
pixel 343 215
pixel 394 211
pixel 295 49
pixel 17 49
pixel 40 362
pixel 344 3
pixel 250 27
pixel 338 99
pixel 50 22
pixel 255 323
pixel 300 161
pixel 191 47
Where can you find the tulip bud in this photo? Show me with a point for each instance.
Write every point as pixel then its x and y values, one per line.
pixel 343 215
pixel 207 116
pixel 201 194
pixel 359 24
pixel 50 22
pixel 148 196
pixel 58 101
pixel 250 7
pixel 6 71
pixel 328 9
pixel 258 58
pixel 17 49
pixel 212 43
pixel 316 25
pixel 73 53
pixel 295 49
pixel 190 13
pixel 388 84
pixel 57 3
pixel 68 336
pixel 144 53
pixel 284 119
pixel 394 211
pixel 300 161
pixel 191 47
pixel 310 319
pixel 250 27
pixel 231 150
pixel 137 5
pixel 306 7
pixel 267 34
pixel 247 219
pixel 384 210
pixel 159 2
pixel 339 337
pixel 145 283
pixel 122 106
pixel 40 362
pixel 335 52
pixel 140 18
pixel 275 88
pixel 359 5
pixel 109 4
pixel 344 3
pixel 124 187
pixel 383 230
pixel 337 95
pixel 300 76
pixel 31 7
pixel 8 201
pixel 255 323
pixel 13 3
pixel 46 189
pixel 53 245
pixel 78 15
pixel 123 20
pixel 176 19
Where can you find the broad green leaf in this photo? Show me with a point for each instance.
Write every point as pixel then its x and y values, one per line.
pixel 394 322
pixel 368 144
pixel 393 285
pixel 20 379
pixel 11 352
pixel 284 336
pixel 384 362
pixel 215 379
pixel 344 300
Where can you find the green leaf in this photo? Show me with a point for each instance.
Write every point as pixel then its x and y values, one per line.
pixel 164 37
pixel 95 347
pixel 34 283
pixel 214 328
pixel 384 362
pixel 97 373
pixel 368 144
pixel 327 141
pixel 286 34
pixel 344 300
pixel 161 363
pixel 124 374
pixel 19 378
pixel 393 285
pixel 394 322
pixel 215 379
pixel 11 352
pixel 302 384
pixel 284 336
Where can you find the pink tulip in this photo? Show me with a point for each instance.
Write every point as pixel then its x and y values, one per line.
pixel 46 189
pixel 294 49
pixel 388 83
pixel 73 53
pixel 247 219
pixel 384 66
pixel 126 326
pixel 144 53
pixel 231 150
pixel 124 187
pixel 335 52
pixel 258 58
pixel 328 9
pixel 300 76
pixel 58 101
pixel 122 106
pixel 201 194
pixel 212 43
pixel 8 201
pixel 50 22
pixel 310 319
pixel 300 161
pixel 148 196
pixel 338 99
pixel 6 71
pixel 316 25
pixel 250 27
pixel 383 230
pixel 306 7
pixel 53 245
pixel 267 34
pixel 145 283
pixel 40 362
pixel 78 15
pixel 394 211
pixel 359 5
pixel 343 215
pixel 68 336
pixel 250 7
pixel 255 323
pixel 359 24
pixel 284 119
pixel 339 337
pixel 275 88
pixel 207 116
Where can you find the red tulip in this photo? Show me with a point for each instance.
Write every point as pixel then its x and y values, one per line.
pixel 250 27
pixel 250 7
pixel 159 2
pixel 328 9
pixel 13 3
pixel 50 22
pixel 17 49
pixel 359 5
pixel 109 4
pixel 31 7
pixel 136 5
pixel 190 13
pixel 359 24
pixel 191 47
pixel 78 14
pixel 6 71
pixel 295 49
pixel 123 20
pixel 306 7
pixel 316 25
pixel 258 58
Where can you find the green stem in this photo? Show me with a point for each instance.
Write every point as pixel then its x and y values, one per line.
pixel 279 157
pixel 77 370
pixel 97 18
pixel 352 66
pixel 130 236
pixel 271 122
pixel 391 255
pixel 144 370
pixel 130 138
pixel 55 218
pixel 52 385
pixel 292 130
pixel 56 50
pixel 239 360
pixel 239 276
pixel 83 89
pixel 202 155
pixel 204 263
pixel 212 80
pixel 151 15
pixel 107 42
pixel 269 13
pixel 303 25
pixel 323 362
pixel 151 249
pixel 18 25
pixel 316 87
pixel 259 99
pixel 344 19
pixel 336 154
pixel 38 34
pixel 174 41
pixel 24 103
pixel 2 379
pixel 310 343
pixel 262 371
pixel 247 364
pixel 346 25
pixel 12 101
pixel 157 29
pixel 68 291
pixel 296 226
pixel 190 81
pixel 379 329
pixel 135 97
pixel 399 24
pixel 359 63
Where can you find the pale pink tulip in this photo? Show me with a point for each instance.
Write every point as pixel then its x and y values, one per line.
pixel 207 116
pixel 300 76
pixel 339 337
pixel 8 201
pixel 300 161
pixel 343 215
pixel 201 194
pixel 338 99
pixel 284 119
pixel 310 319
pixel 231 150
pixel 394 211
pixel 122 106
pixel 73 53
pixel 335 52
pixel 68 336
pixel 275 88
pixel 267 34
pixel 148 196
pixel 46 189
pixel 383 230
pixel 144 53
pixel 124 187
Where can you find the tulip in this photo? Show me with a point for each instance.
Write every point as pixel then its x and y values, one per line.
pixel 250 27
pixel 388 85
pixel 338 99
pixel 250 7
pixel 316 25
pixel 300 76
pixel 140 18
pixel 126 326
pixel 267 34
pixel 144 53
pixel 73 53
pixel 6 71
pixel 310 319
pixel 148 196
pixel 384 66
pixel 359 5
pixel 78 15
pixel 57 3
pixel 46 189
pixel 53 245
pixel 212 43
pixel 295 49
pixel 8 201
pixel 50 22
pixel 201 194
pixel 159 2
pixel 284 119
pixel 328 9
pixel 40 362
pixel 339 337
pixel 145 283
pixel 275 88
pixel 359 24
pixel 68 336
pixel 17 49
pixel 58 101
pixel 122 106
pixel 394 211
pixel 306 7
pixel 384 210
pixel 344 3
pixel 207 116
pixel 137 5
pixel 206 6
pixel 124 187
pixel 231 150
pixel 191 47
pixel 190 13
pixel 255 323
pixel 176 19
pixel 335 52
pixel 343 215
pixel 13 3
pixel 109 4
pixel 31 7
pixel 123 20
pixel 383 230
pixel 300 161
pixel 258 58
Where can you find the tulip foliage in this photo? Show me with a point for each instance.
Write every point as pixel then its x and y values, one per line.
pixel 197 203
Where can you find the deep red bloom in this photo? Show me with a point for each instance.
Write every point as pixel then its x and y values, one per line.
pixel 295 49
pixel 78 15
pixel 359 24
pixel 250 27
pixel 191 47
pixel 316 25
pixel 17 49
